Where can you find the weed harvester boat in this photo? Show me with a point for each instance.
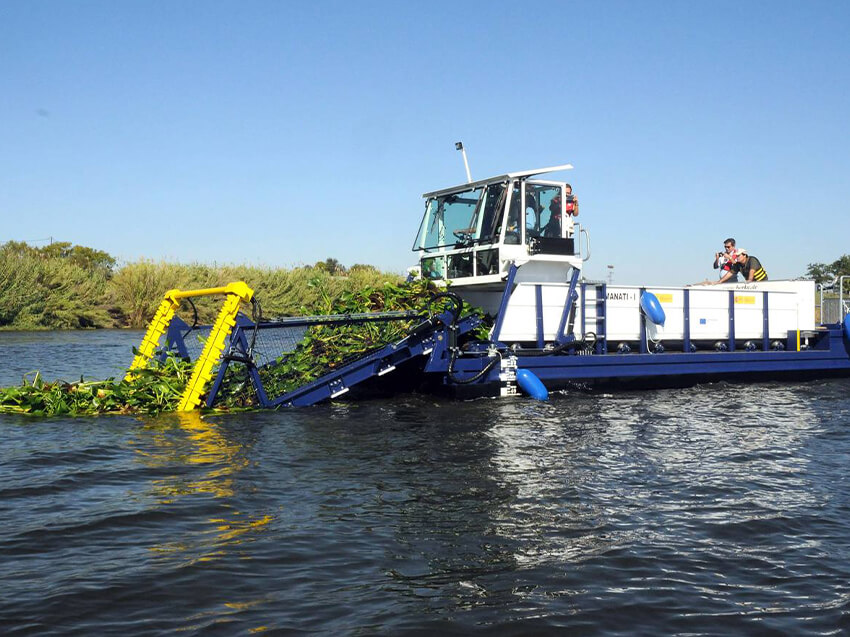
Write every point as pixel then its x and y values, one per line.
pixel 507 245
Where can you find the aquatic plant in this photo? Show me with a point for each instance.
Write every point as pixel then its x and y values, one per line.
pixel 326 347
pixel 155 389
pixel 323 348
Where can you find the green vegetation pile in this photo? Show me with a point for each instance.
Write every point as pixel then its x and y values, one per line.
pixel 150 391
pixel 326 347
pixel 159 388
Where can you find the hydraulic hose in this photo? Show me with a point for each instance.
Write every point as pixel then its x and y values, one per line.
pixel 485 370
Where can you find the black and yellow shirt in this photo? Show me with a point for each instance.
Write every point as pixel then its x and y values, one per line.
pixel 752 265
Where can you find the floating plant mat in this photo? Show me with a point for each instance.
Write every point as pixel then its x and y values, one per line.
pixel 159 387
pixel 152 390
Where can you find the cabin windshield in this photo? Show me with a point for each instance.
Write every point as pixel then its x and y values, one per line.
pixel 462 218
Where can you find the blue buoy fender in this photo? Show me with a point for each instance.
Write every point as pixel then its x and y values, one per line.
pixel 531 385
pixel 847 327
pixel 651 306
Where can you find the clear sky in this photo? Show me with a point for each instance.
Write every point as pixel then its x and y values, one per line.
pixel 283 133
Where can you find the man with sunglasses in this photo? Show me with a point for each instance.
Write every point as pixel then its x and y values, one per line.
pixel 726 260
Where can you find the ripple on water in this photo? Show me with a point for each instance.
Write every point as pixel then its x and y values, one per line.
pixel 708 510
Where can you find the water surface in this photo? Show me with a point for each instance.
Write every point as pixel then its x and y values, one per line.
pixel 710 510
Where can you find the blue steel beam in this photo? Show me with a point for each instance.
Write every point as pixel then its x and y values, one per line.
pixel 561 338
pixel 340 381
pixel 765 323
pixel 561 370
pixel 731 320
pixel 503 303
pixel 538 305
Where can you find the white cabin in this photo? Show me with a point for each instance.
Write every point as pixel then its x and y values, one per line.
pixel 472 233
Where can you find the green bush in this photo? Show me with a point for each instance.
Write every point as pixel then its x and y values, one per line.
pixel 38 291
pixel 65 286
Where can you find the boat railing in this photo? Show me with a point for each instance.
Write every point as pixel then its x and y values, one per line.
pixel 833 304
pixel 583 247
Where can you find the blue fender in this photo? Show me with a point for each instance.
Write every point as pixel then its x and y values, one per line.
pixel 847 327
pixel 651 306
pixel 531 385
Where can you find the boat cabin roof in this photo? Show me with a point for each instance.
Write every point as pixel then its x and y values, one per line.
pixel 500 178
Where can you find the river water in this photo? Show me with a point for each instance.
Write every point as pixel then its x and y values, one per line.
pixel 712 510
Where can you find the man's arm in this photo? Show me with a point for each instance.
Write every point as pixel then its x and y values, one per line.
pixel 725 278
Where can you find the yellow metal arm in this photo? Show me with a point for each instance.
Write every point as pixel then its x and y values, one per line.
pixel 158 325
pixel 203 370
pixel 237 293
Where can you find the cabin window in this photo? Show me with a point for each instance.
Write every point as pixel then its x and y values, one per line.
pixel 490 212
pixel 460 265
pixel 543 213
pixel 487 262
pixel 448 220
pixel 514 225
pixel 463 219
pixel 434 268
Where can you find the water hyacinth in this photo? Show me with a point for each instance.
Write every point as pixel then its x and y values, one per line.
pixel 152 390
pixel 159 387
pixel 326 347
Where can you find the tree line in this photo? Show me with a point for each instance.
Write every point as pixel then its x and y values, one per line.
pixel 66 286
pixel 826 273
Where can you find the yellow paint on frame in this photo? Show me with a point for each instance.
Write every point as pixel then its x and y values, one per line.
pixel 745 300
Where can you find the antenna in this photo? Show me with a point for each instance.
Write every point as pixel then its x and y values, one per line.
pixel 459 146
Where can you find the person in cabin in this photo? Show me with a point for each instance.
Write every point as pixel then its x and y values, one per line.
pixel 726 260
pixel 553 226
pixel 749 267
pixel 572 201
pixel 533 211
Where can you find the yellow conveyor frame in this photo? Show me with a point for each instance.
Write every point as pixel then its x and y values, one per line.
pixel 237 293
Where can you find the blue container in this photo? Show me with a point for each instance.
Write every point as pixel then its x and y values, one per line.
pixel 651 306
pixel 531 385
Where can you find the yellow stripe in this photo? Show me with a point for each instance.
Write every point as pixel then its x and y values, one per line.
pixel 798 340
pixel 760 274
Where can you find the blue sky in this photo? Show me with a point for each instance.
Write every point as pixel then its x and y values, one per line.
pixel 283 133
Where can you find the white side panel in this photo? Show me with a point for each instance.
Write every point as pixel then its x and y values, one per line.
pixel 804 292
pixel 790 305
pixel 520 322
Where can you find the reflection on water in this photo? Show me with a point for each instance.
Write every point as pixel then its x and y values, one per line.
pixel 201 445
pixel 715 510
